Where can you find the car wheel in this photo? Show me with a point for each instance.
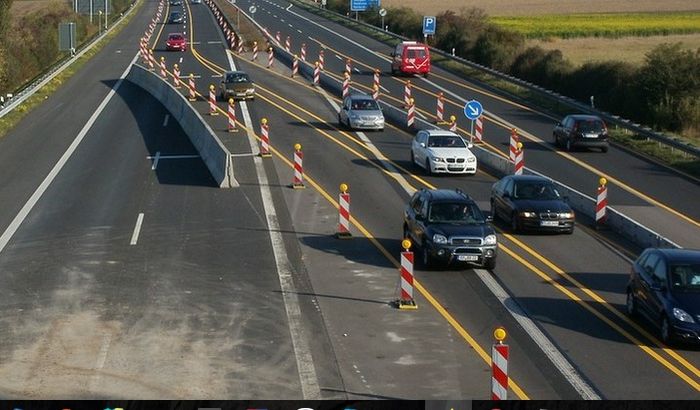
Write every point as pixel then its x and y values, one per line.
pixel 569 231
pixel 406 234
pixel 425 257
pixel 494 214
pixel 340 121
pixel 514 226
pixel 427 167
pixel 490 264
pixel 413 157
pixel 604 149
pixel 568 144
pixel 665 330
pixel 425 75
pixel 556 140
pixel 631 304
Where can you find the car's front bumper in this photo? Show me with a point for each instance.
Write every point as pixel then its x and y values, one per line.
pixel 176 47
pixel 686 332
pixel 472 255
pixel 367 125
pixel 537 224
pixel 239 95
pixel 453 168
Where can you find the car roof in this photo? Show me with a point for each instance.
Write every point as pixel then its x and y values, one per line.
pixel 447 195
pixel 439 132
pixel 236 72
pixel 176 34
pixel 680 255
pixel 585 117
pixel 360 97
pixel 534 178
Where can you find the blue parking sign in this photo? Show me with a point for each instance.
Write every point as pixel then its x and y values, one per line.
pixel 429 25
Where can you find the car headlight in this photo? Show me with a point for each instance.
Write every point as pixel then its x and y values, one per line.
pixel 471 159
pixel 528 214
pixel 490 240
pixel 354 116
pixel 437 159
pixel 566 215
pixel 439 239
pixel 681 315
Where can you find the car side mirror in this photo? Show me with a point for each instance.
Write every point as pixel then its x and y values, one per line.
pixel 489 218
pixel 470 145
pixel 422 144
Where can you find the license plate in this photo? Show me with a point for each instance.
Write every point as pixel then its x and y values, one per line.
pixel 467 258
pixel 549 223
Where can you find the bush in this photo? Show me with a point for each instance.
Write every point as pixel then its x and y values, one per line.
pixel 546 68
pixel 497 48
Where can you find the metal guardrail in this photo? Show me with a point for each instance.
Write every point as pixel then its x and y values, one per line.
pixel 47 75
pixel 609 118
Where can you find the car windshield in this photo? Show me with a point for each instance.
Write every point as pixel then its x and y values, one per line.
pixel 535 190
pixel 174 14
pixel 364 105
pixel 685 277
pixel 460 213
pixel 446 141
pixel 237 78
pixel 590 126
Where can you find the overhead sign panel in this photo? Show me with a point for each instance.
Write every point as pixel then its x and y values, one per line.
pixel 364 5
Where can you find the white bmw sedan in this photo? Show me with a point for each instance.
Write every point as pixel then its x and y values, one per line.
pixel 440 151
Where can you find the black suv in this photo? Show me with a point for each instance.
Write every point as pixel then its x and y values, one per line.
pixel 664 287
pixel 449 227
pixel 580 130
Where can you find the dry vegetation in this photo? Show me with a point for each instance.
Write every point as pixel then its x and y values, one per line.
pixel 537 7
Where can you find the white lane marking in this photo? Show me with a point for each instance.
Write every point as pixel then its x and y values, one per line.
pixel 171 156
pixel 308 379
pixel 155 161
pixel 299 31
pixel 180 62
pixel 195 43
pixel 288 7
pixel 290 26
pixel 100 362
pixel 385 90
pixel 338 57
pixel 213 42
pixel 557 358
pixel 165 120
pixel 274 15
pixel 22 215
pixel 244 154
pixel 357 70
pixel 217 75
pixel 282 20
pixel 137 230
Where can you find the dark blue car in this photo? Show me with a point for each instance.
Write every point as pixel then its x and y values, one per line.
pixel 664 287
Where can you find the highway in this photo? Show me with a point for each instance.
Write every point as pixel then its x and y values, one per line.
pixel 199 306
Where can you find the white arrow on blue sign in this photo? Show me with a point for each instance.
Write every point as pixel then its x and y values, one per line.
pixel 473 109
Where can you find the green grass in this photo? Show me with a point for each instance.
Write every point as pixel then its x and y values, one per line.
pixel 13 117
pixel 611 25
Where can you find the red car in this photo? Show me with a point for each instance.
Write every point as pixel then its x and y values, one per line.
pixel 176 41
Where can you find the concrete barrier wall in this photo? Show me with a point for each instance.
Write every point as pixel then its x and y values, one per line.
pixel 496 164
pixel 213 152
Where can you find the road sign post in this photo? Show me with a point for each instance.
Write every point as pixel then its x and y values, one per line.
pixel 382 13
pixel 429 26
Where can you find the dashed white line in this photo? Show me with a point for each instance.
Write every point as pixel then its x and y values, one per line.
pixel 357 70
pixel 338 57
pixel 288 7
pixel 291 26
pixel 299 31
pixel 214 42
pixel 171 156
pixel 155 161
pixel 385 90
pixel 166 119
pixel 180 62
pixel 137 230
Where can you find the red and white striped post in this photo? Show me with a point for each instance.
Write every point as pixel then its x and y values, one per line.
pixel 453 123
pixel 240 45
pixel 264 139
pixel 406 300
pixel 270 57
pixel 519 160
pixel 346 85
pixel 232 116
pixel 212 100
pixel 255 51
pixel 601 203
pixel 343 213
pixel 163 71
pixel 295 66
pixel 151 60
pixel 478 130
pixel 303 52
pixel 375 92
pixel 176 76
pixel 407 93
pixel 144 53
pixel 499 366
pixel 287 43
pixel 298 181
pixel 193 93
pixel 277 37
pixel 320 59
pixel 376 77
pixel 513 144
pixel 348 65
pixel 317 74
pixel 411 115
pixel 440 112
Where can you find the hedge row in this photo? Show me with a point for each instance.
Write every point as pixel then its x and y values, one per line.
pixel 664 92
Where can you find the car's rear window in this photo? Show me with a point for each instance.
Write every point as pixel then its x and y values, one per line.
pixel 416 53
pixel 685 277
pixel 176 37
pixel 590 125
pixel 446 141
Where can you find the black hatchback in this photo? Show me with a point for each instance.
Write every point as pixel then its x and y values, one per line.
pixel 531 202
pixel 664 287
pixel 587 131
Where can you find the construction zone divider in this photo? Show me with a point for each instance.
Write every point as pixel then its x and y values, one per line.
pixel 498 165
pixel 215 155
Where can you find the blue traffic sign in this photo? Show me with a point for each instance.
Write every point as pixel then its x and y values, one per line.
pixel 429 25
pixel 473 109
pixel 364 5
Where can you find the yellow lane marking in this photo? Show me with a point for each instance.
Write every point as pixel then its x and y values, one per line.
pixel 603 318
pixel 516 257
pixel 534 138
pixel 601 301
